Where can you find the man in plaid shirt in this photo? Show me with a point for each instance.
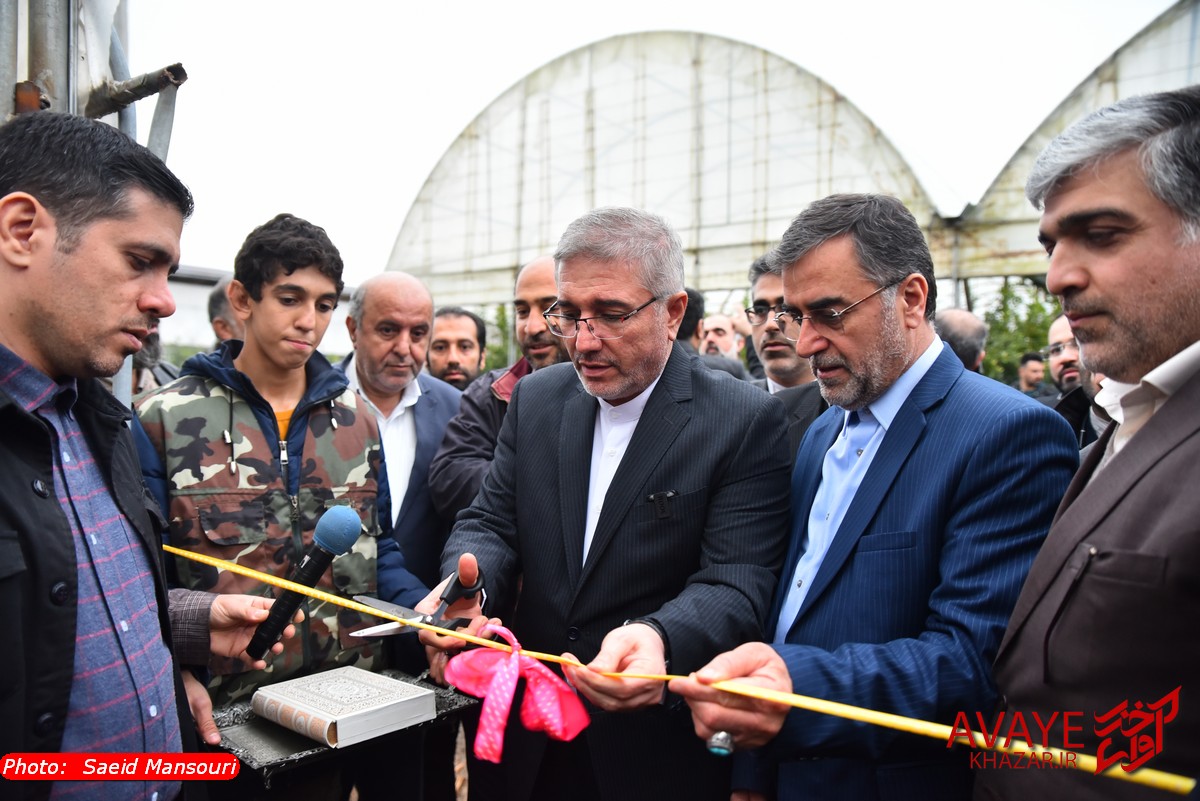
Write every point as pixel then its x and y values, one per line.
pixel 90 224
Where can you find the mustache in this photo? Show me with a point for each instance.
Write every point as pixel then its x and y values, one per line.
pixel 820 361
pixel 591 361
pixel 1072 304
pixel 540 338
pixel 776 338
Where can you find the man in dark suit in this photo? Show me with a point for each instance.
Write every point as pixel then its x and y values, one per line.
pixel 691 336
pixel 782 366
pixel 1077 384
pixel 919 500
pixel 390 321
pixel 804 405
pixel 1107 619
pixel 639 501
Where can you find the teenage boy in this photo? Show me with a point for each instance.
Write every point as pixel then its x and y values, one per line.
pixel 254 441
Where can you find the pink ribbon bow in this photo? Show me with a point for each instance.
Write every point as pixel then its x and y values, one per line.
pixel 550 705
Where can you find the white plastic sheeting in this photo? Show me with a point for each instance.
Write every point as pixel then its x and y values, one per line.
pixel 728 142
pixel 725 140
pixel 998 236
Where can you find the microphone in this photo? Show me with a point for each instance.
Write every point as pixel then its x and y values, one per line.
pixel 336 533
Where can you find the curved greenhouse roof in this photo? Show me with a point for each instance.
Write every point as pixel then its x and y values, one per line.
pixel 726 140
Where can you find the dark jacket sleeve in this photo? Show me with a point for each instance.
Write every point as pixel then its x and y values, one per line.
pixel 457 471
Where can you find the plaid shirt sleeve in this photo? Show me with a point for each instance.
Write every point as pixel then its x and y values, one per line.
pixel 190 611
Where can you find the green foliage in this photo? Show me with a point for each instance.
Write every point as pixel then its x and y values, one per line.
pixel 1016 324
pixel 497 349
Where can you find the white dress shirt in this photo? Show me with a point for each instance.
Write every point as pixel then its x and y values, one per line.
pixel 1132 405
pixel 614 428
pixel 398 432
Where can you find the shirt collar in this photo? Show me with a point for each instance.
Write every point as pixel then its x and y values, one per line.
pixel 887 406
pixel 631 409
pixel 32 389
pixel 408 398
pixel 1160 383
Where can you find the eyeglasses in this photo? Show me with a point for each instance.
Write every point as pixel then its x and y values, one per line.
pixel 1058 347
pixel 601 326
pixel 759 313
pixel 826 320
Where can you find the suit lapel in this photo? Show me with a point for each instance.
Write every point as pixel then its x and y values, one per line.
pixel 1092 496
pixel 665 415
pixel 806 478
pixel 574 471
pixel 898 443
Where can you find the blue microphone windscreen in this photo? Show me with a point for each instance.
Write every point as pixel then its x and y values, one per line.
pixel 337 530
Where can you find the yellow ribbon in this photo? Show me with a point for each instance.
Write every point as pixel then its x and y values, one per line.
pixel 1148 777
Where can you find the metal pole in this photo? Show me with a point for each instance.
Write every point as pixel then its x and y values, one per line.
pixel 50 23
pixel 8 57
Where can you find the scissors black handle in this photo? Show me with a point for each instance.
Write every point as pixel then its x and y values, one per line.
pixel 455 591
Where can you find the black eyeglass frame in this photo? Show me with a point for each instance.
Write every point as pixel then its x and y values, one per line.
pixel 610 319
pixel 753 312
pixel 824 319
pixel 1052 351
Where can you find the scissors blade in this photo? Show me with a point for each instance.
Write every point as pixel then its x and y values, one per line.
pixel 383 630
pixel 392 609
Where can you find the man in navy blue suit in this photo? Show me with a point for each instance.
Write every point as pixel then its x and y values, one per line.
pixel 391 323
pixel 919 500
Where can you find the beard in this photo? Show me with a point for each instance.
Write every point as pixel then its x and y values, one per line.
pixel 865 382
pixel 556 354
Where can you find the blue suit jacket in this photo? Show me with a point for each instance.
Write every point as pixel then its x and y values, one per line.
pixel 909 605
pixel 419 529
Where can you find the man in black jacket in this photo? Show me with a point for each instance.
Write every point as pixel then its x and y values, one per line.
pixel 466 452
pixel 89 231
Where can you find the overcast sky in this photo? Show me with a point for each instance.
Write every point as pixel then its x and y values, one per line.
pixel 338 112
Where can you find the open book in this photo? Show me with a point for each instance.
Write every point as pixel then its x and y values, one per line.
pixel 344 706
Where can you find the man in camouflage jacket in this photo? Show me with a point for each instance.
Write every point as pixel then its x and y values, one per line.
pixel 245 479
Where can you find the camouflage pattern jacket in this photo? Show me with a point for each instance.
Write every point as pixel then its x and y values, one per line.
pixel 231 488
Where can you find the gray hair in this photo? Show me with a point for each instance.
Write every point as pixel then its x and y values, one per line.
pixel 357 298
pixel 964 332
pixel 1163 129
pixel 630 236
pixel 218 302
pixel 887 239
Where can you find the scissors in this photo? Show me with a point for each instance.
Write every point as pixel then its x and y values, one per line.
pixel 454 591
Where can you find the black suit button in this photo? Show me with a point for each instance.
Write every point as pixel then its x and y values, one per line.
pixel 60 593
pixel 44 724
pixel 39 487
pixel 573 634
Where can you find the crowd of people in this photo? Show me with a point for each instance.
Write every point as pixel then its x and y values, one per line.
pixel 849 511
